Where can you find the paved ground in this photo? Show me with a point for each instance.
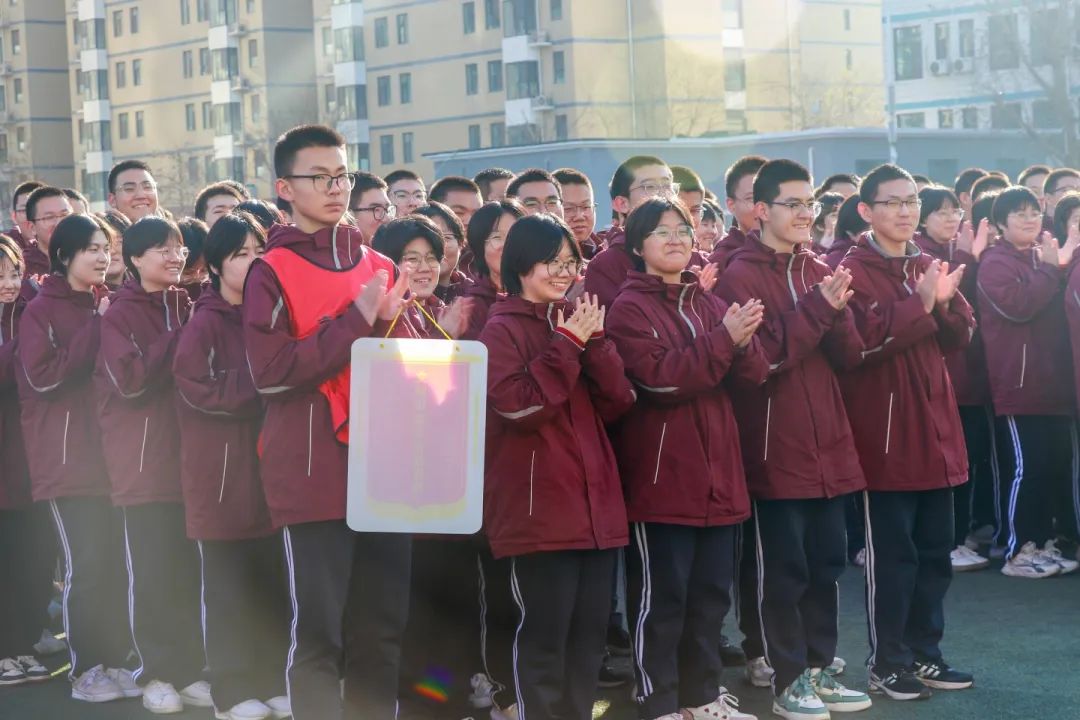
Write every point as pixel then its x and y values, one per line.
pixel 1021 638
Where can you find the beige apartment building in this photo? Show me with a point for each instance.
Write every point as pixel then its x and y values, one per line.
pixel 201 88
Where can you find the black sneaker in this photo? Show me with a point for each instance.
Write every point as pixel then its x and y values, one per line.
pixel 731 655
pixel 618 641
pixel 938 674
pixel 899 685
pixel 615 672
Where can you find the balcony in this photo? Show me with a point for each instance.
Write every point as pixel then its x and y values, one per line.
pixel 344 15
pixel 540 39
pixel 229 146
pixel 90 9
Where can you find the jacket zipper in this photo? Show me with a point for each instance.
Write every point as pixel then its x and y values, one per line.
pixel 310 422
pixel 888 426
pixel 659 452
pixel 145 432
pixel 532 467
pixel 682 295
pixel 63 452
pixel 224 469
pixel 790 279
pixel 1023 364
pixel 768 418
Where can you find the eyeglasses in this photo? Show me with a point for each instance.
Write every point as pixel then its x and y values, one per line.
pixel 895 204
pixel 654 187
pixel 378 211
pixel 1029 216
pixel 797 206
pixel 450 239
pixel 556 268
pixel 683 232
pixel 51 219
pixel 413 262
pixel 950 213
pixel 165 253
pixel 325 182
pixel 572 210
pixel 551 204
pixel 132 188
pixel 419 196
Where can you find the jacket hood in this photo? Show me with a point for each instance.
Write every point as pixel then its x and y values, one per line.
pixel 133 290
pixel 519 306
pixel 756 251
pixel 210 300
pixel 482 288
pixel 57 286
pixel 342 244
pixel 870 253
pixel 646 283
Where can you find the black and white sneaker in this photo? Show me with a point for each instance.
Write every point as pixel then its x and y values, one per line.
pixel 33 670
pixel 939 675
pixel 898 685
pixel 11 672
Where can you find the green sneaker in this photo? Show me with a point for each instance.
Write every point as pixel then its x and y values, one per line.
pixel 835 696
pixel 798 701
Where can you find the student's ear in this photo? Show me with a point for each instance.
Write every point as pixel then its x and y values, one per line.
pixel 284 189
pixel 621 205
pixel 112 201
pixel 730 205
pixel 761 212
pixel 865 212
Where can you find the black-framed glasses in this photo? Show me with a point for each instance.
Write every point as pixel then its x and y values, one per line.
pixel 895 204
pixel 796 206
pixel 326 182
pixel 556 268
pixel 378 211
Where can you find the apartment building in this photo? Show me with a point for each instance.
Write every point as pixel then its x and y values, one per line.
pixel 35 110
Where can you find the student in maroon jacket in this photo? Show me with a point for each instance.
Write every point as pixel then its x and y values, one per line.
pixel 552 500
pixel 315 291
pixel 141 440
pixel 739 188
pixel 635 181
pixel 45 208
pixel 1020 295
pixel 579 210
pixel 798 481
pixel 678 453
pixel 487 232
pixel 58 345
pixel 907 433
pixel 35 261
pixel 244 617
pixel 452 281
pixel 849 228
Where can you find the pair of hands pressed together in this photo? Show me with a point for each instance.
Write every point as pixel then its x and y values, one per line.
pixel 375 302
pixel 586 320
pixel 938 286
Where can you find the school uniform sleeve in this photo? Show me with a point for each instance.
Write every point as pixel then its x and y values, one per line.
pixel 669 374
pixel 601 278
pixel 529 391
pixel 1017 296
pixel 7 364
pixel 956 324
pixel 887 329
pixel 48 366
pixel 214 392
pixel 842 344
pixel 612 394
pixel 751 365
pixel 278 361
pixel 132 369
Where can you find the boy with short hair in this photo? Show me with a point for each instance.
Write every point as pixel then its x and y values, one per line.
pixel 370 204
pixel 537 190
pixel 317 289
pixel 579 209
pixel 739 187
pixel 215 201
pixel 460 194
pixel 492 183
pixel 132 189
pixel 406 190
pixel 35 260
pixel 962 187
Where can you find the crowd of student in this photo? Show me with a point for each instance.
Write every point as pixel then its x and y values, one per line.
pixel 684 415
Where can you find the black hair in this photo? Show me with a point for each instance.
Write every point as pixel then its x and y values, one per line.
pixel 435 210
pixel 124 166
pixel 746 165
pixel 643 219
pixel 264 212
pixel 1012 199
pixel 299 138
pixel 116 219
pixel 1031 170
pixel 830 203
pixel 878 176
pixel 45 191
pixel 483 223
pixel 193 231
pixel 1052 180
pixel 73 235
pixel 532 240
pixel 212 191
pixel 711 211
pixel 624 174
pixel 981 208
pixel 365 181
pixel 532 175
pixel 24 188
pixel 835 179
pixel 987 183
pixel 448 184
pixel 935 197
pixel 485 178
pixel 392 237
pixel 774 173
pixel 239 187
pixel 920 178
pixel 226 238
pixel 688 180
pixel 144 234
pixel 1069 201
pixel 570 176
pixel 73 194
pixel 10 250
pixel 966 179
pixel 399 175
pixel 849 223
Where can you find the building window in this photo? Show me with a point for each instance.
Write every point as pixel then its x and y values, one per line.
pixel 474 137
pixel 847 19
pixel 1004 41
pixel 472 79
pixel 562 130
pixel 386 149
pixel 120 71
pixel 202 10
pixel 519 17
pixel 969 118
pixel 407 147
pixel 16 42
pixel 249 6
pixel 491 14
pixel 405 88
pixel 192 169
pixel 207 116
pixel 495 76
pixel 185 12
pixel 136 72
pixel 139 124
pixel 941 41
pixel 558 67
pixel 253 52
pixel 225 64
pixel 133 19
pixel 732 12
pixel 349 44
pixel 522 80
pixel 122 122
pixel 907 47
pixel 734 70
pixel 118 23
pixel 189 116
pixel 1043 24
pixel 1044 116
pixel 966 38
pixel 188 64
pixel 911 120
pixel 17 86
pixel 1007 116
pixel 20 138
pixel 382 32
pixel 204 61
pixel 382 85
pixel 523 135
pixel 468 17
pixel 3 148
pixel 402 22
pixel 3 99
pixel 498 134
pixel 945 119
pixel 849 60
pixel 556 9
pixel 327 41
pixel 352 102
pixel 329 91
pixel 256 109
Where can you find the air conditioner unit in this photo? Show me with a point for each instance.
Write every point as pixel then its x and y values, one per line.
pixel 6 69
pixel 540 38
pixel 940 67
pixel 963 65
pixel 238 29
pixel 241 84
pixel 542 102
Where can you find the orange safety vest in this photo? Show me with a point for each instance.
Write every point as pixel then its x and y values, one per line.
pixel 313 294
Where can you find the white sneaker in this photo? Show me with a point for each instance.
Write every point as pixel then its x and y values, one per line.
pixel 798 701
pixel 506 713
pixel 96 686
pixel 1030 563
pixel 964 559
pixel 482 689
pixel 724 707
pixel 49 644
pixel 11 672
pixel 758 673
pixel 247 710
pixel 161 698
pixel 33 670
pixel 197 694
pixel 1050 553
pixel 280 707
pixel 860 558
pixel 836 667
pixel 123 678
